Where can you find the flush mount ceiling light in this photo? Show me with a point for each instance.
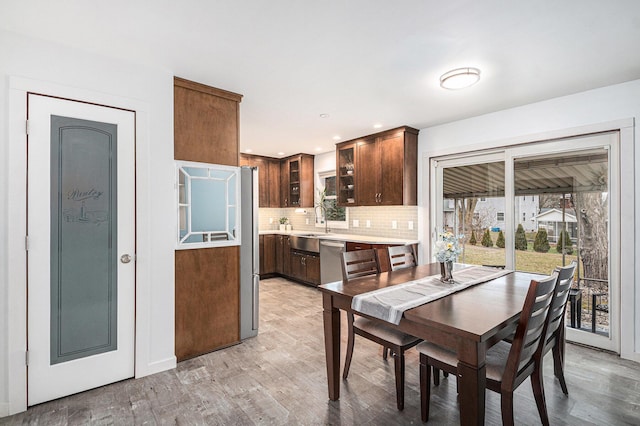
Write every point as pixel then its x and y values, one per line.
pixel 459 78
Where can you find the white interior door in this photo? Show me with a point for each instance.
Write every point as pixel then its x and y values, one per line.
pixel 81 228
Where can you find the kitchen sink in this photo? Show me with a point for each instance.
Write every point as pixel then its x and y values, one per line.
pixel 309 243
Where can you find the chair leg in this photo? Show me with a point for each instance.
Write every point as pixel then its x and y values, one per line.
pixel 425 387
pixel 506 405
pixel 558 367
pixel 385 352
pixel 436 376
pixel 538 393
pixel 350 343
pixel 398 357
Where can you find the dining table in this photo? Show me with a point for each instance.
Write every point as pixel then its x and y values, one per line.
pixel 467 322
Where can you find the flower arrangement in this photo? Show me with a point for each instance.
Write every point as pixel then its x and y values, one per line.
pixel 447 247
pixel 283 220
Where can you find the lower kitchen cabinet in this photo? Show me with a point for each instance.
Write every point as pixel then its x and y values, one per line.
pixel 305 267
pixel 283 257
pixel 267 254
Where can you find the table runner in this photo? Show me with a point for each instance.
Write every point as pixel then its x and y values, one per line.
pixel 389 303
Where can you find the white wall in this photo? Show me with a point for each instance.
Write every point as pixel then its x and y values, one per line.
pixel 28 64
pixel 557 118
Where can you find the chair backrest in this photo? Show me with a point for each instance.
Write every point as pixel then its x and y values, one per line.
pixel 359 263
pixel 532 327
pixel 401 257
pixel 559 304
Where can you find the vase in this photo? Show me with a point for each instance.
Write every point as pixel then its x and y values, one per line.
pixel 446 272
pixel 283 228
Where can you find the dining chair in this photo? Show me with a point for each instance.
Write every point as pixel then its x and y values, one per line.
pixel 360 263
pixel 401 257
pixel 507 365
pixel 555 340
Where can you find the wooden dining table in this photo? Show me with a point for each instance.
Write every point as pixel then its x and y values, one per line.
pixel 468 322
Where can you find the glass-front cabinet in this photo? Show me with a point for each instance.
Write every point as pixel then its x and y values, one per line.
pixel 346 174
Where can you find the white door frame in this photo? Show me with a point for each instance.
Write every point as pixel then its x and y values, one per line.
pixel 627 203
pixel 16 228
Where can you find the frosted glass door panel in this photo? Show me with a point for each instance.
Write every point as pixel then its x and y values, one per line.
pixel 83 238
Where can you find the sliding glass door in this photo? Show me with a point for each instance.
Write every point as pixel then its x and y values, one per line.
pixel 472 204
pixel 537 206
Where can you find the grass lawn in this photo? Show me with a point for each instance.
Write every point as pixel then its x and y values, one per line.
pixel 528 261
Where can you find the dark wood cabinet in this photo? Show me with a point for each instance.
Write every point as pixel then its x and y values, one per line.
pixel 268 254
pixel 345 170
pixel 305 267
pixel 283 255
pixel 207 281
pixel 296 177
pixel 379 169
pixel 268 178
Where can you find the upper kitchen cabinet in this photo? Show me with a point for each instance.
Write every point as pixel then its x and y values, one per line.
pixel 296 177
pixel 268 178
pixel 379 169
pixel 345 166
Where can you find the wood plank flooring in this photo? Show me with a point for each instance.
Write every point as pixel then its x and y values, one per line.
pixel 279 378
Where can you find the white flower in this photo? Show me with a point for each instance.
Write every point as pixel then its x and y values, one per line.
pixel 446 248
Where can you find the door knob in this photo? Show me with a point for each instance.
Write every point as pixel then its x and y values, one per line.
pixel 125 258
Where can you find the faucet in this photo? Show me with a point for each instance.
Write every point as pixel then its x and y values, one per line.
pixel 323 214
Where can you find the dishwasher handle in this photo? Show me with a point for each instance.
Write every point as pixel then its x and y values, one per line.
pixel 330 244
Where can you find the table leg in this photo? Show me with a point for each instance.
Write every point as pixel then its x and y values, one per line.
pixel 472 376
pixel 331 319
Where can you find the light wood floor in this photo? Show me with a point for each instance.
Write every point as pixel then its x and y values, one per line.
pixel 279 378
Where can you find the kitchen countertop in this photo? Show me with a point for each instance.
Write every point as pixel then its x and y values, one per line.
pixel 343 237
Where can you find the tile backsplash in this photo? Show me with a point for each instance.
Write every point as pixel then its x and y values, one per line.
pixel 378 218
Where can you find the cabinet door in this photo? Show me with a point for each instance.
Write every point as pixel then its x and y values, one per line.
pixel 312 264
pixel 391 169
pixel 263 182
pixel 279 253
pixel 306 181
pixel 269 253
pixel 274 183
pixel 286 256
pixel 367 173
pixel 284 183
pixel 345 172
pixel 294 182
pixel 297 266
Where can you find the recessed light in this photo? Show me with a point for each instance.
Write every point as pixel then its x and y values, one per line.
pixel 460 78
pixel 324 115
pixel 377 126
pixel 336 138
pixel 281 153
pixel 248 150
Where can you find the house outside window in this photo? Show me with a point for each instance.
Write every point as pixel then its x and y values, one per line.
pixel 500 216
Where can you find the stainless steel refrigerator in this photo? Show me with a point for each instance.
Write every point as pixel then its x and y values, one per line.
pixel 249 253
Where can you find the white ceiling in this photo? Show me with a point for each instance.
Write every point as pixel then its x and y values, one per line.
pixel 360 61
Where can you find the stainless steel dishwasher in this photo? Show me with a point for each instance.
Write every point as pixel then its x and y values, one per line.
pixel 331 260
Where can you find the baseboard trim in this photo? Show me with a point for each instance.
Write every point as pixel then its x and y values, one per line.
pixel 157 367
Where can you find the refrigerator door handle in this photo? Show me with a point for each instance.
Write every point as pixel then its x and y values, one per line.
pixel 256 297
